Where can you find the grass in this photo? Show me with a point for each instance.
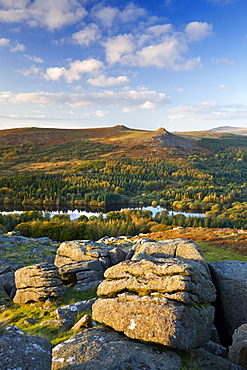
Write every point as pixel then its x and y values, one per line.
pixel 214 254
pixel 216 244
pixel 16 314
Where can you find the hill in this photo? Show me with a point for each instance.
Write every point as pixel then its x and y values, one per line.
pixel 231 130
pixel 55 150
pixel 38 148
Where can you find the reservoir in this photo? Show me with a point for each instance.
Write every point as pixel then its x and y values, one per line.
pixel 74 214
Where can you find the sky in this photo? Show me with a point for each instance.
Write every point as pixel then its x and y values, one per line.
pixel 177 64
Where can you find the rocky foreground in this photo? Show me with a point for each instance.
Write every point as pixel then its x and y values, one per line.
pixel 155 298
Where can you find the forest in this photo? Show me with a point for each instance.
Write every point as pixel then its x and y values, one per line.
pixel 210 178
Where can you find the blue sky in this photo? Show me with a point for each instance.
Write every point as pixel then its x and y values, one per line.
pixel 178 64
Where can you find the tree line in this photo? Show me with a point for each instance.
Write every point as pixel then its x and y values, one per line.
pixel 36 224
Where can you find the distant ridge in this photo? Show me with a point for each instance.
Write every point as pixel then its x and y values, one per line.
pixel 227 129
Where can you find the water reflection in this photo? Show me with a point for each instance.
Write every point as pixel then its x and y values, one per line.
pixel 75 213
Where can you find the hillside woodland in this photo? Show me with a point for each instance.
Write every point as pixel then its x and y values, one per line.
pixel 48 169
pixel 180 304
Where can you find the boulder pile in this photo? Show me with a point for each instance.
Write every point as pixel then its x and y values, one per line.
pixel 38 283
pixel 230 279
pixel 82 262
pixel 162 295
pixel 158 292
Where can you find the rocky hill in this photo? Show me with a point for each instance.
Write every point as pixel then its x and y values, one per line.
pixel 160 294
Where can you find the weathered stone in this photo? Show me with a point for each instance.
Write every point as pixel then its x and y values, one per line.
pixel 89 276
pixel 80 250
pixel 82 271
pixel 154 319
pixel 38 283
pixel 230 279
pixel 102 348
pixel 87 286
pixel 215 348
pixel 30 321
pixel 172 292
pixel 7 279
pixel 171 278
pixel 205 360
pixel 180 248
pixel 69 312
pixel 84 322
pixel 18 351
pixel 116 255
pixel 214 335
pixel 238 349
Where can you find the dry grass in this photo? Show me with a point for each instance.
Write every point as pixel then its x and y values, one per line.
pixel 216 244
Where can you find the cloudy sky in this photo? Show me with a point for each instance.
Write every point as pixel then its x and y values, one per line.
pixel 178 64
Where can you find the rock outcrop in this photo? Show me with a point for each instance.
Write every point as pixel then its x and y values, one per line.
pixel 102 348
pixel 162 295
pixel 38 283
pixel 7 281
pixel 70 312
pixel 18 351
pixel 230 280
pixel 82 262
pixel 238 349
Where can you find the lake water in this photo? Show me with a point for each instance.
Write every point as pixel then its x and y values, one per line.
pixel 74 214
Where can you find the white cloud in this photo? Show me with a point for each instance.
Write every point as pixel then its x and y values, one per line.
pixel 160 46
pixel 101 113
pixel 224 88
pixel 131 12
pixel 4 42
pixel 75 70
pixel 197 31
pixel 226 61
pixel 109 15
pixel 128 99
pixel 179 89
pixel 108 81
pixel 50 14
pixel 33 70
pixel 117 46
pixel 106 15
pixel 128 110
pixel 148 105
pixel 18 47
pixel 34 58
pixel 89 34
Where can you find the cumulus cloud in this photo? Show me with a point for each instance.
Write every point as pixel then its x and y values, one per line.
pixel 87 35
pixel 101 113
pixel 197 31
pixel 108 81
pixel 160 46
pixel 50 14
pixel 17 47
pixel 4 42
pixel 118 46
pixel 131 99
pixel 33 70
pixel 128 110
pixel 34 58
pixel 75 70
pixel 107 15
